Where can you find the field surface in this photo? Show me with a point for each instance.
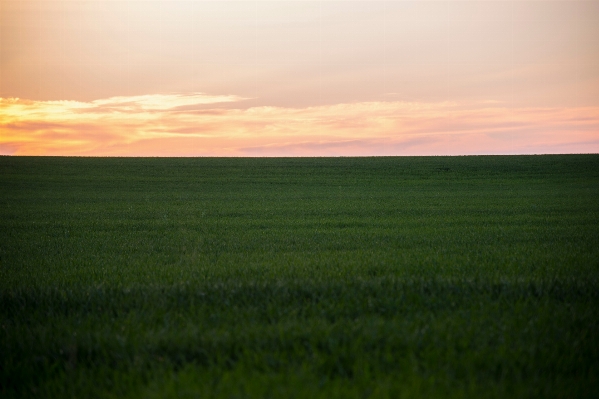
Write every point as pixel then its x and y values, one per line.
pixel 300 277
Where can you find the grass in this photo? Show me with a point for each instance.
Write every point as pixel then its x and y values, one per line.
pixel 300 277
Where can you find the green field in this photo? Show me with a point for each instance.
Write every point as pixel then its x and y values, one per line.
pixel 300 277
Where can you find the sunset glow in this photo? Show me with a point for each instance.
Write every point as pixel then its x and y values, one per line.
pixel 298 78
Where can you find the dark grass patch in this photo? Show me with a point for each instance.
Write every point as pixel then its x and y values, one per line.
pixel 299 277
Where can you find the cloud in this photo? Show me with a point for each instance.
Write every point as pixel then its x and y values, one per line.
pixel 160 102
pixel 190 125
pixel 62 109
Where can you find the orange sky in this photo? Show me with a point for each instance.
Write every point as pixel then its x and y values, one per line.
pixel 298 78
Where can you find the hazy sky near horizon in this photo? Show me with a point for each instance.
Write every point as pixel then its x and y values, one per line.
pixel 301 78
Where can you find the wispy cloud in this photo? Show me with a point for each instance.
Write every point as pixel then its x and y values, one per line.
pixel 160 102
pixel 188 125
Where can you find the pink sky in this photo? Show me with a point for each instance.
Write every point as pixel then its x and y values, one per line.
pixel 298 78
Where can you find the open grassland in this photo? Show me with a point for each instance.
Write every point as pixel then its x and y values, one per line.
pixel 300 277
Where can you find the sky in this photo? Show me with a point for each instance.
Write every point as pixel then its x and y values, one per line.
pixel 298 78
